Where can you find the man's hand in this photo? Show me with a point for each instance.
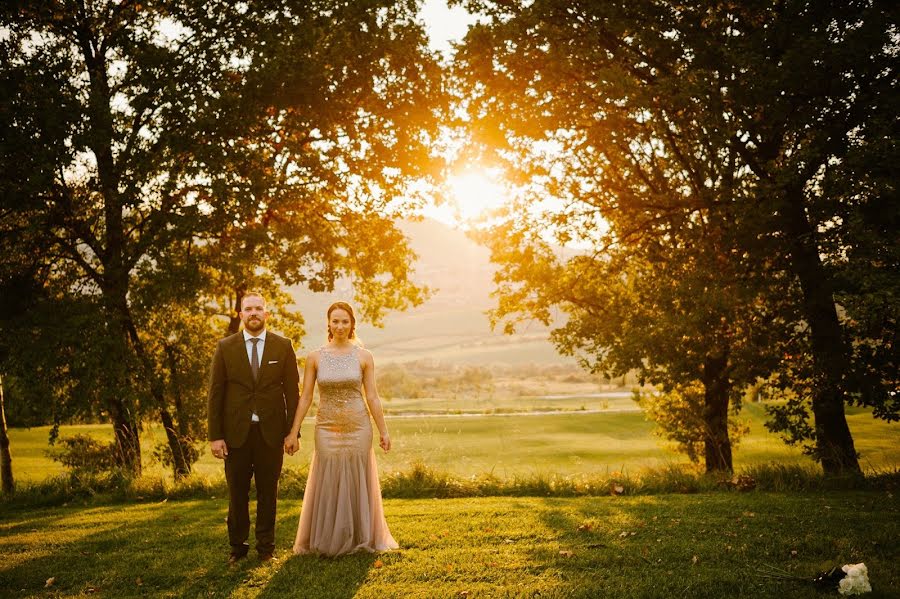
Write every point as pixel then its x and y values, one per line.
pixel 218 448
pixel 291 444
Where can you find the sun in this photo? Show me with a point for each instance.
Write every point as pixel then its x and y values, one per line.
pixel 473 194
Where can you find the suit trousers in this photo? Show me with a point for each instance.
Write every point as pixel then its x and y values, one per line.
pixel 254 459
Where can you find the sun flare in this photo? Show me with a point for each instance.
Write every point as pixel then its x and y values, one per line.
pixel 473 194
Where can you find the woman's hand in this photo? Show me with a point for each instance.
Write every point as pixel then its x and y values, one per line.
pixel 291 443
pixel 385 442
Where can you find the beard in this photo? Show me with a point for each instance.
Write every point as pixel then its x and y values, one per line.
pixel 254 324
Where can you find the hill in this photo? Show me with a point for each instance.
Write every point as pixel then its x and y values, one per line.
pixel 452 325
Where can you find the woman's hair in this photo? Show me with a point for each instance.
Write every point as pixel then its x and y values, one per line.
pixel 349 310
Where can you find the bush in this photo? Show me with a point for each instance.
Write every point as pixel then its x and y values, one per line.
pixel 162 451
pixel 420 482
pixel 84 456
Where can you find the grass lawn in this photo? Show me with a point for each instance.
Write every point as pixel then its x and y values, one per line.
pixel 704 545
pixel 513 445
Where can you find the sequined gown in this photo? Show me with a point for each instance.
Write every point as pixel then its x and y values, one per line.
pixel 342 510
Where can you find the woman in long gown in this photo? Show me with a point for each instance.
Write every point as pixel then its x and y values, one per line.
pixel 342 510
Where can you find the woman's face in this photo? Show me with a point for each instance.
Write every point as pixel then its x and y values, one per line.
pixel 340 324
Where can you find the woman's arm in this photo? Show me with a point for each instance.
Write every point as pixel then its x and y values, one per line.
pixel 292 443
pixel 368 368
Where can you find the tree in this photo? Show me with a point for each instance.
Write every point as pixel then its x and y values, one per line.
pixel 686 317
pixel 7 481
pixel 650 115
pixel 175 153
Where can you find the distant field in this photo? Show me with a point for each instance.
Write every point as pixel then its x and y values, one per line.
pixel 567 444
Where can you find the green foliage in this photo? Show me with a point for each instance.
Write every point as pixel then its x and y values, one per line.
pixel 718 194
pixel 191 449
pixel 678 414
pixel 96 485
pixel 162 158
pixel 85 456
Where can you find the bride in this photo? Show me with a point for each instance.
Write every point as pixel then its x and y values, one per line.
pixel 342 510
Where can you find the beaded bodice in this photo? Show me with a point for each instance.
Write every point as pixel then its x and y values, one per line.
pixel 341 404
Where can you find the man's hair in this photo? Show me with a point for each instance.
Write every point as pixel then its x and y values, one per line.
pixel 252 294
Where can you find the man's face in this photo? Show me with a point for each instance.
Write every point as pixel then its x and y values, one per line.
pixel 253 314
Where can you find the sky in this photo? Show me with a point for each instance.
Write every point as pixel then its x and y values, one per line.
pixel 472 190
pixel 444 24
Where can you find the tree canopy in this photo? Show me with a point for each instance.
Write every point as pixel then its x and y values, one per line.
pixel 163 157
pixel 647 130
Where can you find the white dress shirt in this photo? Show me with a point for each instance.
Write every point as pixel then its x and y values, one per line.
pixel 260 346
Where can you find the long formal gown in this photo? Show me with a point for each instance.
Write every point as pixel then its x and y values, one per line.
pixel 342 510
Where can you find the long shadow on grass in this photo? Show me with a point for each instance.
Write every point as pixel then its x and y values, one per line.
pixel 712 545
pixel 320 577
pixel 175 548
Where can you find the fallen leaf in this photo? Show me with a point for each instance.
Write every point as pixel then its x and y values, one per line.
pixel 50 582
pixel 623 534
pixel 378 563
pixel 587 526
pixel 90 590
pixel 695 560
pixel 463 594
pixel 139 582
pixel 793 552
pixel 618 489
pixel 566 553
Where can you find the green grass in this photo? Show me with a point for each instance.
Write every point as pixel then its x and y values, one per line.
pixel 509 446
pixel 486 547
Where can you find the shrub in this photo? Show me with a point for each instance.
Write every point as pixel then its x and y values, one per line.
pixel 84 456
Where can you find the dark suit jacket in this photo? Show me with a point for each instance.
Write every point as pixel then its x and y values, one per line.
pixel 234 396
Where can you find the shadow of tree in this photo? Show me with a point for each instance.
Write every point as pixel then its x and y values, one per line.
pixel 705 545
pixel 176 549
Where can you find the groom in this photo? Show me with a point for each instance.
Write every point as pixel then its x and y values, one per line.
pixel 253 392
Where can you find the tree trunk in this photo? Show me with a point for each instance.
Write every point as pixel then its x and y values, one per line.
pixel 115 272
pixel 834 443
pixel 181 418
pixel 234 324
pixel 181 465
pixel 716 385
pixel 6 473
pixel 128 442
pixel 124 420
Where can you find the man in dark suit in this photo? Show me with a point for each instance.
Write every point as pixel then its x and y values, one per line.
pixel 253 392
